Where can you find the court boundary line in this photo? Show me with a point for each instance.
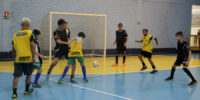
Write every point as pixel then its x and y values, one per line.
pixel 94 90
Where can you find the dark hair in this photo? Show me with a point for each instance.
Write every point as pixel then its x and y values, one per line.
pixel 81 34
pixel 36 32
pixel 146 30
pixel 61 21
pixel 120 24
pixel 179 33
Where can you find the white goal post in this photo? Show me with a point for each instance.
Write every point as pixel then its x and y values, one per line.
pixel 51 14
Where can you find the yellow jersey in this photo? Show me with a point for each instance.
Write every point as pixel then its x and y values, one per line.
pixel 147 43
pixel 22 46
pixel 76 48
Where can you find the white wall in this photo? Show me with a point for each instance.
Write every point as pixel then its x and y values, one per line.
pixel 162 17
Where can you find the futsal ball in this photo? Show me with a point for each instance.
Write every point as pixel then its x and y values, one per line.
pixel 95 63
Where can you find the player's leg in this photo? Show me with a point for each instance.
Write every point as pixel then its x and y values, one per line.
pixel 171 77
pixel 187 71
pixel 124 56
pixel 81 61
pixel 116 57
pixel 53 64
pixel 153 66
pixel 70 62
pixel 17 73
pixel 38 74
pixel 28 69
pixel 73 72
pixel 142 61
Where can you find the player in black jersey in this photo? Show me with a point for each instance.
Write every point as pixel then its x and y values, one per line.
pixel 184 57
pixel 61 36
pixel 121 41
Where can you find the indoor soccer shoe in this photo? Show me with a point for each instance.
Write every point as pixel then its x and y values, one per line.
pixel 143 68
pixel 169 79
pixel 28 92
pixel 60 81
pixel 36 85
pixel 115 64
pixel 192 83
pixel 154 71
pixel 85 80
pixel 14 96
pixel 72 81
pixel 124 64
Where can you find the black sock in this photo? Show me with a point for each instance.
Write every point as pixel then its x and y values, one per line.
pixel 50 69
pixel 15 91
pixel 143 64
pixel 27 87
pixel 124 59
pixel 154 67
pixel 189 74
pixel 116 58
pixel 71 77
pixel 172 72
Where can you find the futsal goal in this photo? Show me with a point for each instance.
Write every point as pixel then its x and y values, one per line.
pixel 93 25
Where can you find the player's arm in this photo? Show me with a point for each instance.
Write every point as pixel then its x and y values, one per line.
pixel 126 36
pixel 138 41
pixel 33 48
pixel 188 52
pixel 14 52
pixel 115 42
pixel 57 38
pixel 40 55
pixel 70 40
pixel 156 40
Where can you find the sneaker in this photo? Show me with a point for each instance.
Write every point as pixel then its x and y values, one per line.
pixel 124 64
pixel 14 96
pixel 115 64
pixel 60 81
pixel 72 81
pixel 169 79
pixel 85 80
pixel 36 85
pixel 154 71
pixel 143 68
pixel 28 92
pixel 192 83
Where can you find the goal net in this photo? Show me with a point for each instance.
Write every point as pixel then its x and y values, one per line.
pixel 93 25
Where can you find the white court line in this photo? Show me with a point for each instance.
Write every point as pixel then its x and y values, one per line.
pixel 114 95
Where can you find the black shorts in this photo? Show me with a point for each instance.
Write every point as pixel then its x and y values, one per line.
pixel 59 53
pixel 121 50
pixel 146 54
pixel 20 68
pixel 180 61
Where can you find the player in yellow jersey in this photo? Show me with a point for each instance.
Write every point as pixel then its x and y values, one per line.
pixel 75 53
pixel 24 50
pixel 147 49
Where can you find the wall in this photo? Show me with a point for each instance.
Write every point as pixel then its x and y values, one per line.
pixel 162 17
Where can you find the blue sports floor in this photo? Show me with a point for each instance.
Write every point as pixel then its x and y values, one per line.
pixel 121 86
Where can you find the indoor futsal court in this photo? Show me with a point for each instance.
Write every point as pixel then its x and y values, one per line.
pixel 100 50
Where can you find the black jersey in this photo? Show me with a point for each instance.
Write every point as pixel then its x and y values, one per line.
pixel 183 50
pixel 63 36
pixel 121 37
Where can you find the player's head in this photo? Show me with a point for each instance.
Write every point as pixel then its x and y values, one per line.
pixel 36 33
pixel 120 26
pixel 179 35
pixel 61 24
pixel 145 31
pixel 66 25
pixel 81 34
pixel 25 23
